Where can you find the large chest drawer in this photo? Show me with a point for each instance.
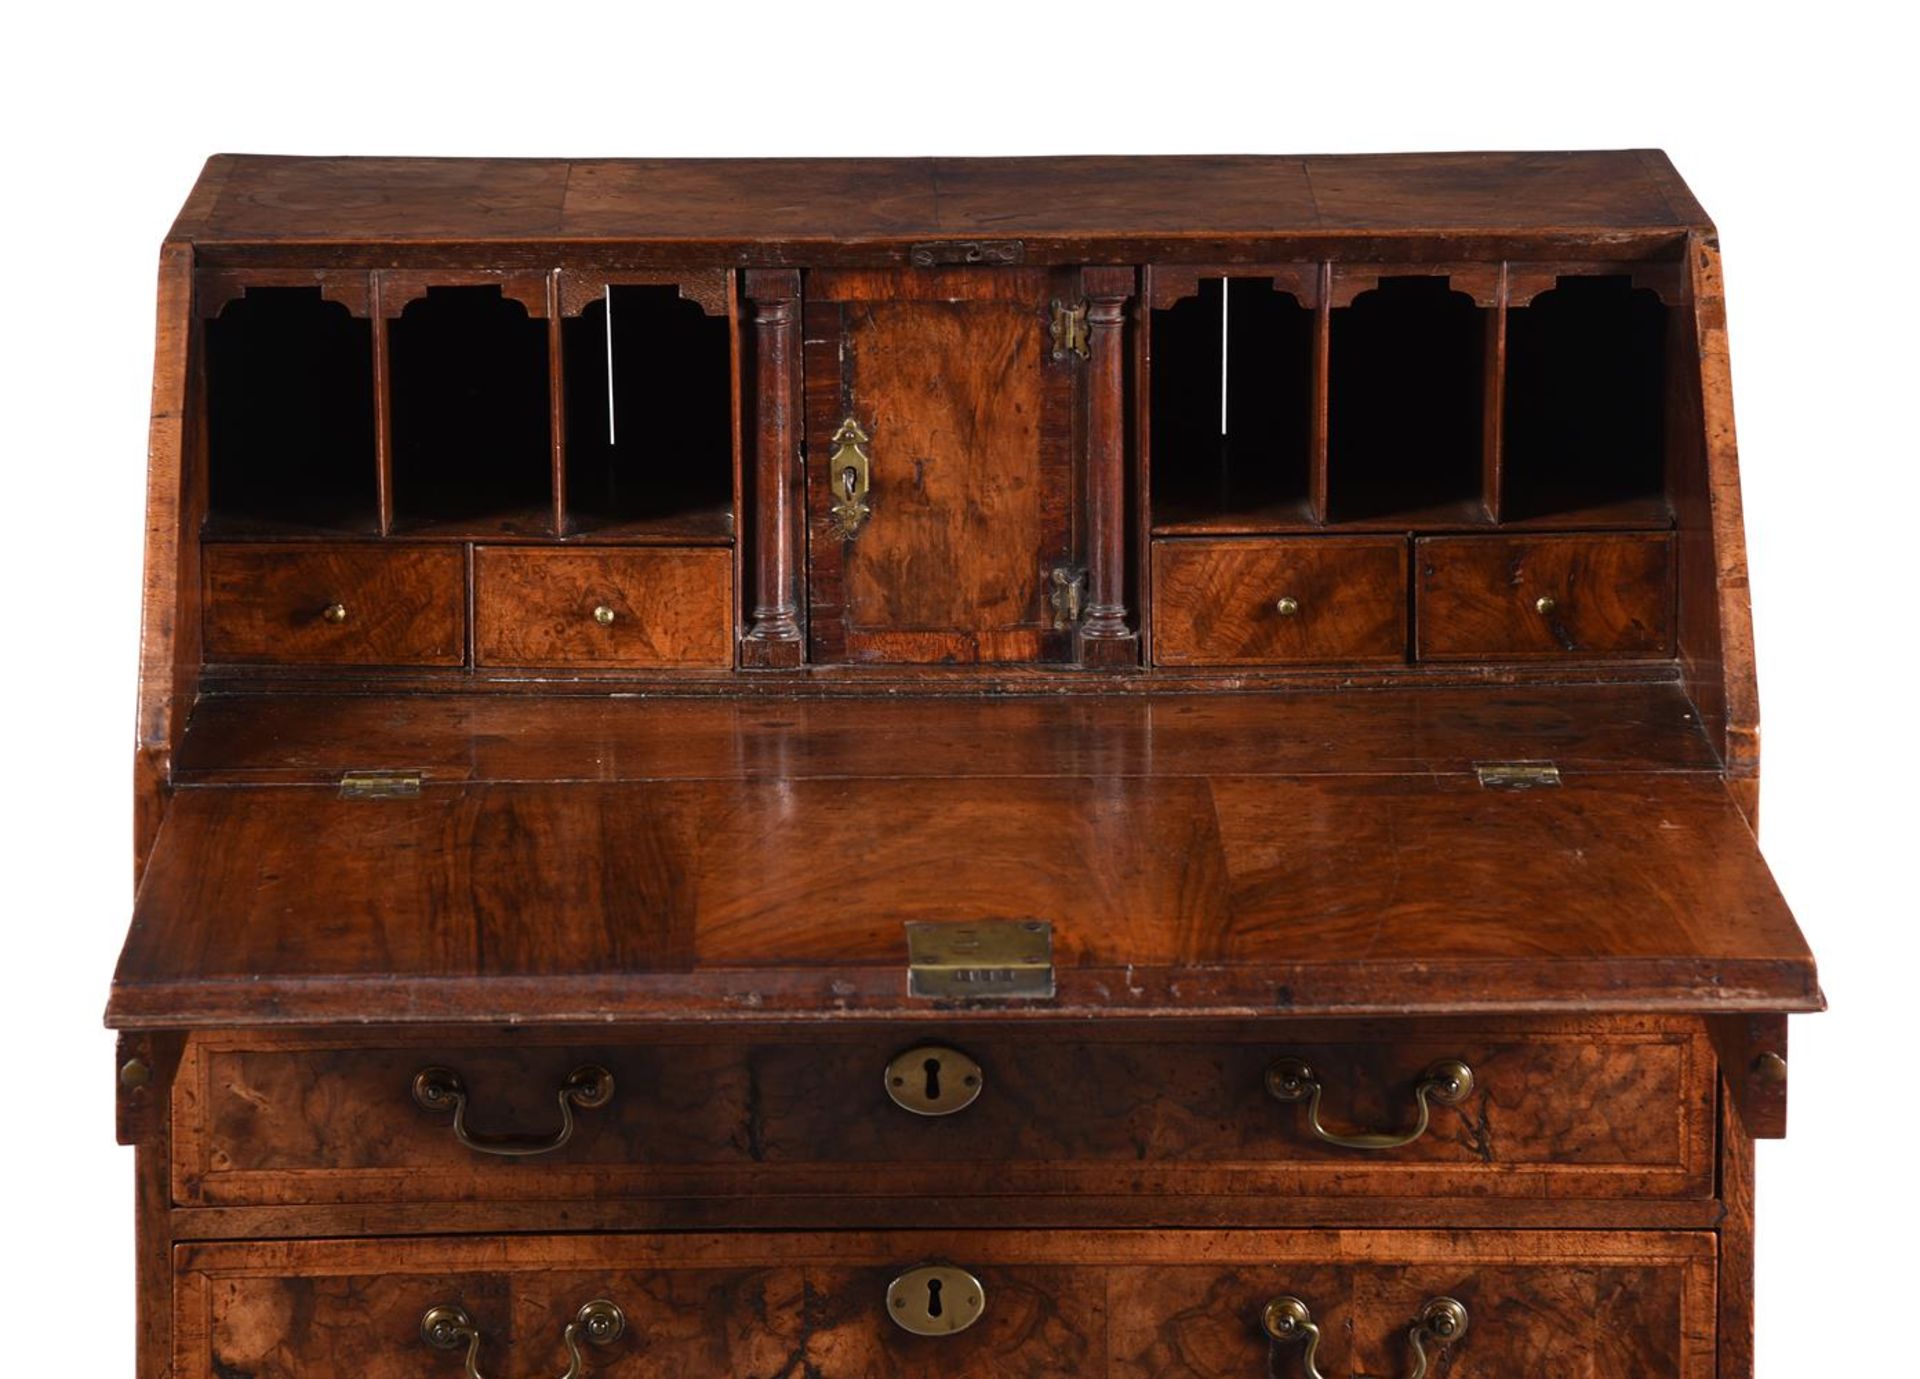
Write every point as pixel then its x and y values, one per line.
pixel 1026 1305
pixel 1569 1109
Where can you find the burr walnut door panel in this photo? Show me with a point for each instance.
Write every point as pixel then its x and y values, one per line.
pixel 944 386
pixel 1037 1305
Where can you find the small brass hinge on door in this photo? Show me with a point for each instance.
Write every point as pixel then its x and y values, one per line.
pixel 1517 775
pixel 1066 595
pixel 994 960
pixel 380 785
pixel 1069 329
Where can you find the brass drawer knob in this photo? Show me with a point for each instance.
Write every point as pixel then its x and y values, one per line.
pixel 603 615
pixel 1288 1321
pixel 437 1089
pixel 335 613
pixel 598 1323
pixel 936 1300
pixel 934 1080
pixel 1287 605
pixel 1448 1082
pixel 1545 604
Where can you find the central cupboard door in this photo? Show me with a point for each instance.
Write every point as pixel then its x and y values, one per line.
pixel 943 385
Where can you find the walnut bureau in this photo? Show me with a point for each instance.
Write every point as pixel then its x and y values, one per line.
pixel 959 767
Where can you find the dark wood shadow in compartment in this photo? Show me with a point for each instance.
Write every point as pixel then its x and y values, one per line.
pixel 471 427
pixel 1232 404
pixel 1585 415
pixel 290 416
pixel 649 439
pixel 1404 404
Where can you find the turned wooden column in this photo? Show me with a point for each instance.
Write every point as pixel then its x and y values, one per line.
pixel 1104 637
pixel 775 638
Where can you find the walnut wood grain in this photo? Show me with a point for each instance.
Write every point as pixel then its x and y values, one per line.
pixel 667 607
pixel 731 207
pixel 287 1120
pixel 1218 602
pixel 1480 597
pixel 947 373
pixel 403 605
pixel 1613 1305
pixel 1231 894
pixel 265 737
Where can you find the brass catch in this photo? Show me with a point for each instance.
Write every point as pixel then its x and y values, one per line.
pixel 936 253
pixel 997 960
pixel 1517 775
pixel 1069 329
pixel 380 785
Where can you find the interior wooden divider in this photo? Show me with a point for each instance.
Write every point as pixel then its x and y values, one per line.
pixel 382 404
pixel 1322 373
pixel 1494 401
pixel 557 403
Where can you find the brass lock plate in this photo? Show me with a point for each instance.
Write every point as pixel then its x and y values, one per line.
pixel 993 960
pixel 933 1080
pixel 936 1300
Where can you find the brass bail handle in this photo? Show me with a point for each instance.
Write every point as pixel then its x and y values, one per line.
pixel 599 1323
pixel 1447 1082
pixel 438 1089
pixel 1287 1322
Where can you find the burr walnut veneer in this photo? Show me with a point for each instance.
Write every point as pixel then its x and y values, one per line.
pixel 836 769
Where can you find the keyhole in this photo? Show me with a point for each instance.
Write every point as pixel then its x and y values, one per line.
pixel 933 1297
pixel 932 1066
pixel 848 477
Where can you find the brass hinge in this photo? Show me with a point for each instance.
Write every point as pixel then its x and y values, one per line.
pixel 1517 775
pixel 1067 595
pixel 995 960
pixel 1069 329
pixel 379 785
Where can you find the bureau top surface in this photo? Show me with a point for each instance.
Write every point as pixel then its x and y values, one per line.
pixel 1119 204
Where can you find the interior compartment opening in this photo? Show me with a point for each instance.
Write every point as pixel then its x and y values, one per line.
pixel 1404 404
pixel 1232 403
pixel 649 440
pixel 1585 421
pixel 471 431
pixel 290 419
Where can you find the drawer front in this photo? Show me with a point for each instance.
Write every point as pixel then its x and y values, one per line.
pixel 1143 1305
pixel 1546 596
pixel 336 605
pixel 285 1120
pixel 642 607
pixel 1218 603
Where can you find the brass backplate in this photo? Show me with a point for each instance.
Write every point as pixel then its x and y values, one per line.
pixel 992 960
pixel 933 1080
pixel 936 1300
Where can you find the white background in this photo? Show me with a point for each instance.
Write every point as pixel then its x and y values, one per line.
pixel 1785 125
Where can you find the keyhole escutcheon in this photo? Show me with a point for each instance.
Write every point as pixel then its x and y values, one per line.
pixel 934 1080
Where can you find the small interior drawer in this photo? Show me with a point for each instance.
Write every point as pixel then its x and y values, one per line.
pixel 1033 1304
pixel 393 605
pixel 1543 596
pixel 272 1119
pixel 1263 602
pixel 647 606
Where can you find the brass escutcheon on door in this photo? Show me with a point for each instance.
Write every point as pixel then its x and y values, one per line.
pixel 850 476
pixel 934 1080
pixel 936 1300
